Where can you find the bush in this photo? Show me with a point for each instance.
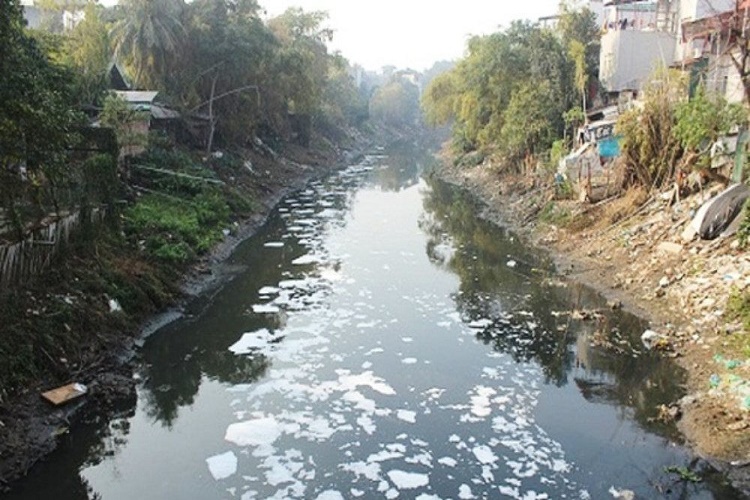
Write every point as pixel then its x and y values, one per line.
pixel 649 147
pixel 702 120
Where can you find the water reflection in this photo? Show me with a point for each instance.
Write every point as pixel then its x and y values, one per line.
pixel 519 312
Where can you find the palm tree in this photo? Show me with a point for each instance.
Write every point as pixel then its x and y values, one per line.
pixel 148 38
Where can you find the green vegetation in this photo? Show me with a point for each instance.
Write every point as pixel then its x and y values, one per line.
pixel 396 103
pixel 738 307
pixel 37 123
pixel 551 213
pixel 239 82
pixel 650 148
pixel 177 230
pixel 671 132
pixel 509 95
pixel 684 474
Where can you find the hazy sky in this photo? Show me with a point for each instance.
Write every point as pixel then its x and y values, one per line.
pixel 411 33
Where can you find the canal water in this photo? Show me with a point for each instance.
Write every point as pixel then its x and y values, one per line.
pixel 379 340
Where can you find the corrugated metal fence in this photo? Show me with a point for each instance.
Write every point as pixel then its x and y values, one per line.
pixel 21 261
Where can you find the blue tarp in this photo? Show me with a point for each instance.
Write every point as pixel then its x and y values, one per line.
pixel 609 147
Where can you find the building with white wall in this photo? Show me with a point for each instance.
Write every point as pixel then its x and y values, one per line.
pixel 640 35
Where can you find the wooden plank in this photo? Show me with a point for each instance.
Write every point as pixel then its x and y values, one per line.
pixel 65 394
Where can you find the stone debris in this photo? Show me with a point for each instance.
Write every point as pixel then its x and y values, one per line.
pixel 669 247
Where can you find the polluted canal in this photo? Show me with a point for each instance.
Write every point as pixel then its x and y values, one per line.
pixel 379 340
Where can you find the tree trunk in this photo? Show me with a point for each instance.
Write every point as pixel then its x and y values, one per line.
pixel 211 119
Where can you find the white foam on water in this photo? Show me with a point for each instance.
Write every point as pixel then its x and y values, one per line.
pixel 265 309
pixel 369 324
pixel 408 480
pixel 420 459
pixel 464 492
pixel 257 432
pixel 274 244
pixel 349 382
pixel 306 259
pixel 368 470
pixel 407 416
pixel 253 341
pixel 268 290
pixel 480 323
pixel 330 495
pixel 480 403
pixel 384 455
pixel 329 213
pixel 409 361
pixel 367 424
pixel 484 454
pixel 222 466
pixel 448 461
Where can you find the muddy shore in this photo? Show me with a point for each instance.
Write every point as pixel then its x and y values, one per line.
pixel 679 286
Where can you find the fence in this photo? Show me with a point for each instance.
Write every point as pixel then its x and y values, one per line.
pixel 21 261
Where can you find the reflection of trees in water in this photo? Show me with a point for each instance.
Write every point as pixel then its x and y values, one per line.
pixel 402 167
pixel 491 290
pixel 169 390
pixel 95 439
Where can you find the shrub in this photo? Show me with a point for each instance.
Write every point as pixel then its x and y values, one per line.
pixel 702 120
pixel 649 147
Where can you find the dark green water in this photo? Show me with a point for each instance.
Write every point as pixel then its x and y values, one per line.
pixel 381 341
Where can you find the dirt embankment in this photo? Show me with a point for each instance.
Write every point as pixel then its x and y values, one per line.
pixel 90 342
pixel 633 250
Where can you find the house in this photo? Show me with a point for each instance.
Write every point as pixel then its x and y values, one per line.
pixel 714 50
pixel 117 78
pixel 72 18
pixel 38 17
pixel 638 37
pixel 641 35
pixel 33 15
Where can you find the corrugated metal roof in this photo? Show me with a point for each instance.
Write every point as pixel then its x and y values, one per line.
pixel 163 113
pixel 137 96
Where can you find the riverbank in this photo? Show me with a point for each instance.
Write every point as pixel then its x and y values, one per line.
pixel 633 252
pixel 85 318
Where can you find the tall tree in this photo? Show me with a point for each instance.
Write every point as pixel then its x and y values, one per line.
pixel 303 58
pixel 149 37
pixel 579 25
pixel 396 103
pixel 36 119
pixel 87 50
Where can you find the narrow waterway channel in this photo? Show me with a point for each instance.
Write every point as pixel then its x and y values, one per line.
pixel 381 341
